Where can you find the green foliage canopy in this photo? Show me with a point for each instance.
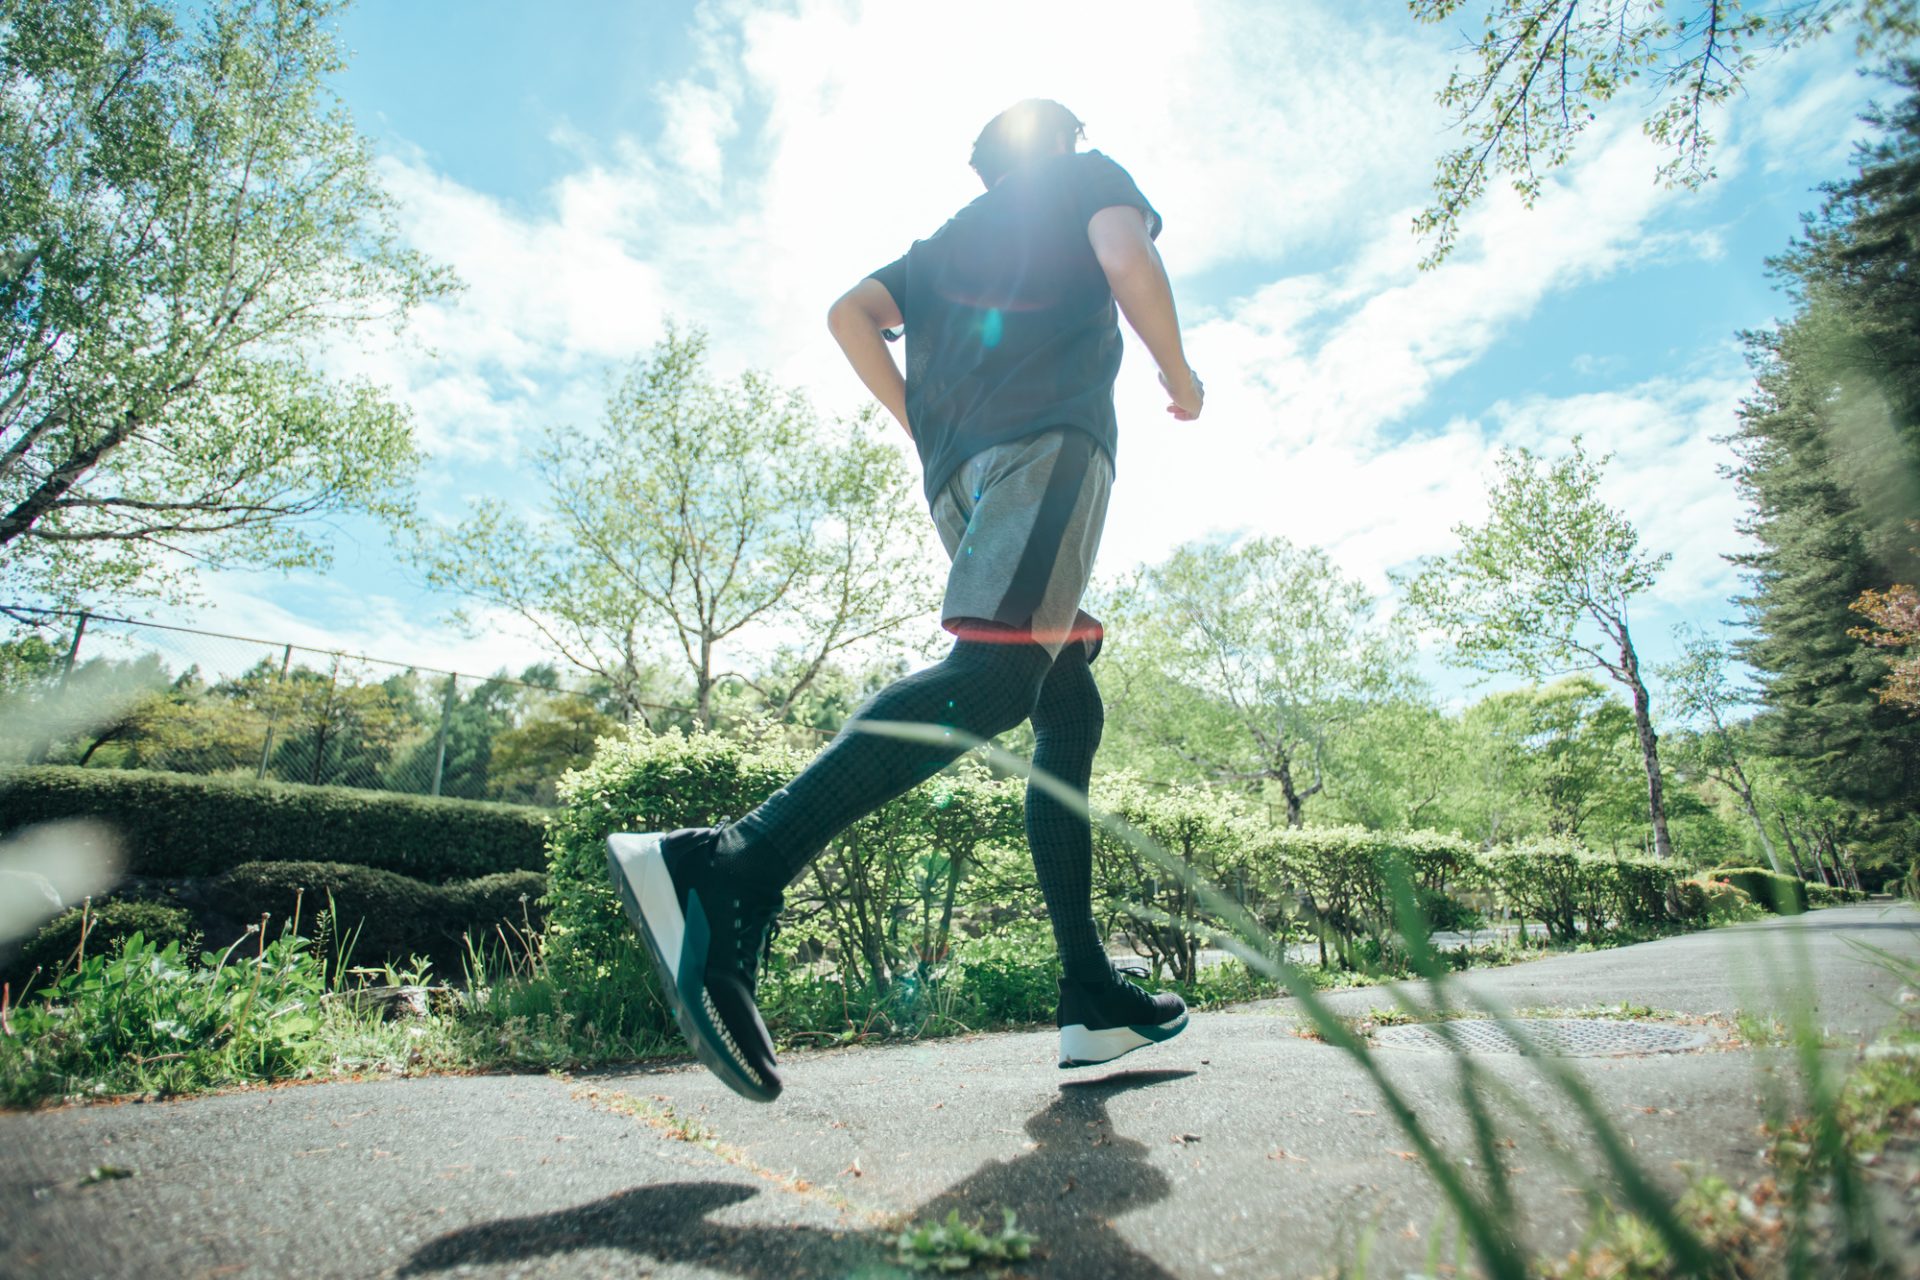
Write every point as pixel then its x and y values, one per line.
pixel 1528 589
pixel 705 513
pixel 1539 72
pixel 185 213
pixel 1245 664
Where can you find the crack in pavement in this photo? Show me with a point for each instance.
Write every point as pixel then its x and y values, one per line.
pixel 658 1114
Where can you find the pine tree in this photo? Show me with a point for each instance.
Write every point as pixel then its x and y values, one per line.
pixel 1830 459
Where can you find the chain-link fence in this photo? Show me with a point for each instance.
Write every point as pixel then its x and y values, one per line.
pixel 84 688
pixel 91 689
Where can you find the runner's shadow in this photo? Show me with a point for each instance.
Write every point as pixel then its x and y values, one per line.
pixel 1066 1190
pixel 667 1223
pixel 1071 1186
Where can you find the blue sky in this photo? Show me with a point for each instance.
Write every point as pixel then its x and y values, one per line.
pixel 737 164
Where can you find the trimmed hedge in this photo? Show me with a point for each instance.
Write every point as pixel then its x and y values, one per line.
pixel 1827 895
pixel 1704 901
pixel 1343 871
pixel 177 825
pixel 639 782
pixel 390 917
pixel 1568 887
pixel 1783 895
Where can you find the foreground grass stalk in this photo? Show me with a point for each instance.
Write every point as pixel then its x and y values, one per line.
pixel 1487 1216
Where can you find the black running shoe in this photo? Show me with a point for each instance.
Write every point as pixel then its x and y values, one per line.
pixel 1100 1021
pixel 705 932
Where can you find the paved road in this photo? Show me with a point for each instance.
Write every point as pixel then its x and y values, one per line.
pixel 1240 1149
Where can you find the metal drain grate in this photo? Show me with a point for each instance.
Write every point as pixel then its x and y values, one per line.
pixel 1554 1037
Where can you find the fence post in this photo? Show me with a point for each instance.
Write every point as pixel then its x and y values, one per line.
pixel 40 749
pixel 446 716
pixel 273 712
pixel 73 650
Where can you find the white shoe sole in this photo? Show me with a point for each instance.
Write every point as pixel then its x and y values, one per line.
pixel 1082 1047
pixel 646 891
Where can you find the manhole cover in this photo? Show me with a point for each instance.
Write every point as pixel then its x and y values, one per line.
pixel 1555 1037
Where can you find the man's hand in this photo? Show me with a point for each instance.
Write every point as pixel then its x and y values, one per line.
pixel 1139 282
pixel 1188 395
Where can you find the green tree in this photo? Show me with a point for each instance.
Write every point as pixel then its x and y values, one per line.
pixel 184 726
pixel 1578 742
pixel 1397 768
pixel 557 735
pixel 26 660
pixel 1703 695
pixel 1544 584
pixel 1829 449
pixel 1555 759
pixel 1245 664
pixel 334 730
pixel 186 215
pixel 703 515
pixel 458 742
pixel 1540 71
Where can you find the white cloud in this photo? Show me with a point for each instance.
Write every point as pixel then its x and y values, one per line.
pixel 1288 147
pixel 1315 382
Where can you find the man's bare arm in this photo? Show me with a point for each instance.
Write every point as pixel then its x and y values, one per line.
pixel 1139 282
pixel 856 321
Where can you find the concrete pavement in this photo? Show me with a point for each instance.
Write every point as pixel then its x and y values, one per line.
pixel 1239 1149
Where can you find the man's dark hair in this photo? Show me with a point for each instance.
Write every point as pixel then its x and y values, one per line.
pixel 1023 132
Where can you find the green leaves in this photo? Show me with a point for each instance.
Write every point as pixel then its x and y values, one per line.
pixel 705 515
pixel 1539 72
pixel 1529 589
pixel 188 215
pixel 138 1017
pixel 1829 447
pixel 1551 565
pixel 1246 664
pixel 953 1245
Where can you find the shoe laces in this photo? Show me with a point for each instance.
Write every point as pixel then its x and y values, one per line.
pixel 749 954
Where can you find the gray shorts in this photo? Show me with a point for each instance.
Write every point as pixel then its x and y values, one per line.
pixel 1022 522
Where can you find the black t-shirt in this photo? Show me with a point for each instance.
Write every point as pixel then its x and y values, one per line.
pixel 1011 328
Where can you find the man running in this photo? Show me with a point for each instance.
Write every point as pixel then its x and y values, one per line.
pixel 1012 347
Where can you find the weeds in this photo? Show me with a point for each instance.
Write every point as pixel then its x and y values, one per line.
pixel 1477 1187
pixel 950 1244
pixel 140 1019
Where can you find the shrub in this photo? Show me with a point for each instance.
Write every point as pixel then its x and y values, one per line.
pixel 1687 901
pixel 1633 890
pixel 1158 906
pixel 642 782
pixel 1545 880
pixel 1342 873
pixel 107 926
pixel 1722 902
pixel 884 898
pixel 389 917
pixel 1827 895
pixel 139 1018
pixel 1011 979
pixel 1568 887
pixel 178 825
pixel 1773 891
pixel 881 903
